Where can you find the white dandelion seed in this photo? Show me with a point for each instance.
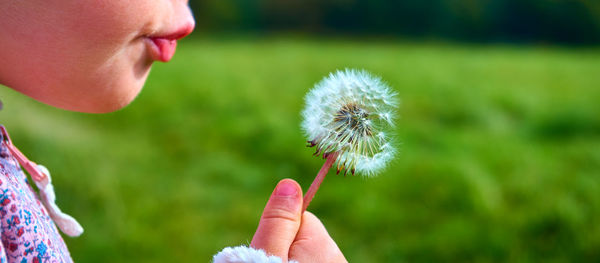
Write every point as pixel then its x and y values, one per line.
pixel 347 118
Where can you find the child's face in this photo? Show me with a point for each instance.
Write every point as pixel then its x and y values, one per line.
pixel 87 55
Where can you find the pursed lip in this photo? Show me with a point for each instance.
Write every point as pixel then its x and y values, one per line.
pixel 162 45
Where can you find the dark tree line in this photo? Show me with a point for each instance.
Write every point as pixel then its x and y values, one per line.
pixel 556 21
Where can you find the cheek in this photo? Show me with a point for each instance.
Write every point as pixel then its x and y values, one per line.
pixel 115 65
pixel 102 29
pixel 98 50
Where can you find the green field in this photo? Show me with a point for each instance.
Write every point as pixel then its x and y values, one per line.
pixel 499 153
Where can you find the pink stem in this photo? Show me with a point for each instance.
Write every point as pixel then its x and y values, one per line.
pixel 312 190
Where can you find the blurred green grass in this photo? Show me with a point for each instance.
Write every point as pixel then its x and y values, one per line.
pixel 499 161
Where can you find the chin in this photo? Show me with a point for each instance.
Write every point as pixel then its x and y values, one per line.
pixel 93 104
pixel 112 95
pixel 98 97
pixel 110 102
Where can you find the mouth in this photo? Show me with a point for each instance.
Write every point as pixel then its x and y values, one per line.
pixel 162 46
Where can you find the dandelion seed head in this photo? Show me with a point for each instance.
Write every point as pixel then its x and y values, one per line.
pixel 350 112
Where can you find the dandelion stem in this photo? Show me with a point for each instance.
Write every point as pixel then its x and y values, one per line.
pixel 312 190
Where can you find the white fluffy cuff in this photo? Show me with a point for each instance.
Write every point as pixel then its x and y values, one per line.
pixel 243 254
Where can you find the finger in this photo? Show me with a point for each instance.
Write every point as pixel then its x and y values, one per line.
pixel 280 220
pixel 313 243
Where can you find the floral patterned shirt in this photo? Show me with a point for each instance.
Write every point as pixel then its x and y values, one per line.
pixel 28 233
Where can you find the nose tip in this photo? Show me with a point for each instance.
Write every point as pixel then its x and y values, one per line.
pixel 189 22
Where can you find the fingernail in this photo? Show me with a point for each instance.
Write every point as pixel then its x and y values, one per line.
pixel 286 188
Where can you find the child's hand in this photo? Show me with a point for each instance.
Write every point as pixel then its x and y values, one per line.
pixel 285 233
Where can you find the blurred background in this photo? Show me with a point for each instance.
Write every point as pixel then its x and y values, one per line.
pixel 499 134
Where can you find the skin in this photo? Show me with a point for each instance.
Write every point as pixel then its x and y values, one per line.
pixel 286 232
pixel 95 55
pixel 84 55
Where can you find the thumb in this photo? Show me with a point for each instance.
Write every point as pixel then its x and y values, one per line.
pixel 280 220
